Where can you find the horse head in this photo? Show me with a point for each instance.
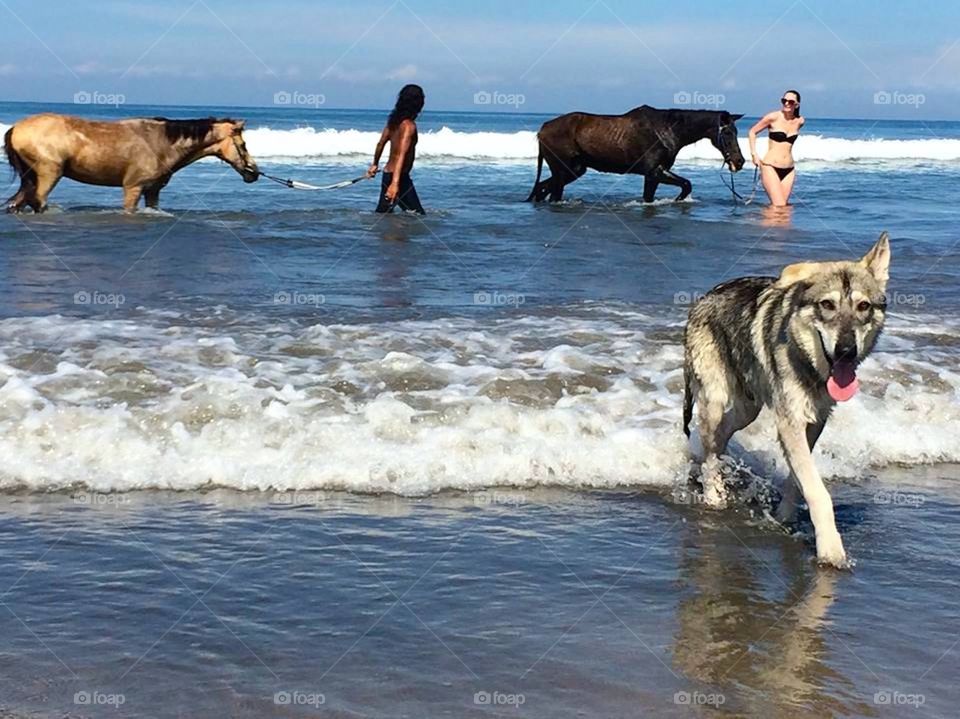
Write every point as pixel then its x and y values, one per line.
pixel 233 150
pixel 725 140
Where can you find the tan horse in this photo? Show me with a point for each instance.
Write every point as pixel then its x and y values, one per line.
pixel 138 155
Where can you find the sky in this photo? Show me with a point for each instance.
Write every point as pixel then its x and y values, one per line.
pixel 881 59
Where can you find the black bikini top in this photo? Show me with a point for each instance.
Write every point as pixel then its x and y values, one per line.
pixel 778 136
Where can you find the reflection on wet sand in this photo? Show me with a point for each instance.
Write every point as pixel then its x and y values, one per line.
pixel 758 635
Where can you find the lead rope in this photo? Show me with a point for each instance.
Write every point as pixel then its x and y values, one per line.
pixel 732 184
pixel 297 185
pixel 733 190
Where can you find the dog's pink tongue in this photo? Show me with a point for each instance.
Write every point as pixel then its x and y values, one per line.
pixel 842 383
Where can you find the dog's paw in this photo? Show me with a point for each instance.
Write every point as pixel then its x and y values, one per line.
pixel 830 551
pixel 715 496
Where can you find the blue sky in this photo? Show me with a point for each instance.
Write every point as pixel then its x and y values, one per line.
pixel 602 55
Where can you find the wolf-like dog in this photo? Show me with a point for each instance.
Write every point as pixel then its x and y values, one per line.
pixel 792 343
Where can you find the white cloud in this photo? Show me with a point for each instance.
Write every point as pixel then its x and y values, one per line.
pixel 404 72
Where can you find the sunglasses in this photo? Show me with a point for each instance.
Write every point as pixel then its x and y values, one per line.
pixel 786 101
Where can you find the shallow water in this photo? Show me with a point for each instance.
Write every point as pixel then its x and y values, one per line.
pixel 603 603
pixel 325 409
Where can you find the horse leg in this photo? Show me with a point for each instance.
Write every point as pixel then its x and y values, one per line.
pixel 668 178
pixel 563 177
pixel 131 196
pixel 25 171
pixel 560 174
pixel 542 189
pixel 556 188
pixel 151 193
pixel 19 200
pixel 650 183
pixel 151 197
pixel 48 175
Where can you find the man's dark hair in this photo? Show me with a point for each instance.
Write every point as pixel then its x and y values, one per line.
pixel 409 104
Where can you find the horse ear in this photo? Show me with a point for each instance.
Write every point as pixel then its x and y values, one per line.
pixel 736 117
pixel 239 125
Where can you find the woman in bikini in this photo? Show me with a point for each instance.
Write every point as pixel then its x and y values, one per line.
pixel 776 168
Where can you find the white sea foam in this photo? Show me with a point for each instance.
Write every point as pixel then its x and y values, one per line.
pixel 304 144
pixel 588 398
pixel 447 144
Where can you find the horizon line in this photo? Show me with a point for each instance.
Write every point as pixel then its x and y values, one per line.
pixel 493 113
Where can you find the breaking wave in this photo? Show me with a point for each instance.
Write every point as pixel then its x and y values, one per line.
pixel 587 398
pixel 300 145
pixel 446 144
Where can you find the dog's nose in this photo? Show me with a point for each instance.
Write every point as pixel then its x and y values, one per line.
pixel 846 350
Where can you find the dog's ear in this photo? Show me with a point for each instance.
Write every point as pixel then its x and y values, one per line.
pixel 877 260
pixel 795 273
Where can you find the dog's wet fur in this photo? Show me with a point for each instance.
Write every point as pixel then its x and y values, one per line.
pixel 792 343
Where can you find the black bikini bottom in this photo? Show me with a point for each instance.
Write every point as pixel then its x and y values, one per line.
pixel 782 172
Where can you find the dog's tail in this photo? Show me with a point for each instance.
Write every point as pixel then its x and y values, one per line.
pixel 687 394
pixel 536 182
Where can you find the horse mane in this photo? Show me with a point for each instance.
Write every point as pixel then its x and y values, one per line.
pixel 193 130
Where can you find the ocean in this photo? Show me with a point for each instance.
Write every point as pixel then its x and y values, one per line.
pixel 267 453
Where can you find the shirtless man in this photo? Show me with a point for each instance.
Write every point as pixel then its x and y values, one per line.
pixel 396 187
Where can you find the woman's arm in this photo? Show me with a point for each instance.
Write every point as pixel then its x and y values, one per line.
pixel 762 124
pixel 382 143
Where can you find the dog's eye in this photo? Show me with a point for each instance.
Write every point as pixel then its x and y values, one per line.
pixel 828 305
pixel 863 306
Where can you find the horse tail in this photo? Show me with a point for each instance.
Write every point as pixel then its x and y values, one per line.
pixel 20 166
pixel 12 156
pixel 536 182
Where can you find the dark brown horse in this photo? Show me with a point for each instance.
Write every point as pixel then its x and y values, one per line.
pixel 139 155
pixel 644 141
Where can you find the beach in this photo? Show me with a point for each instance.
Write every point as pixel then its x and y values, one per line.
pixel 269 451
